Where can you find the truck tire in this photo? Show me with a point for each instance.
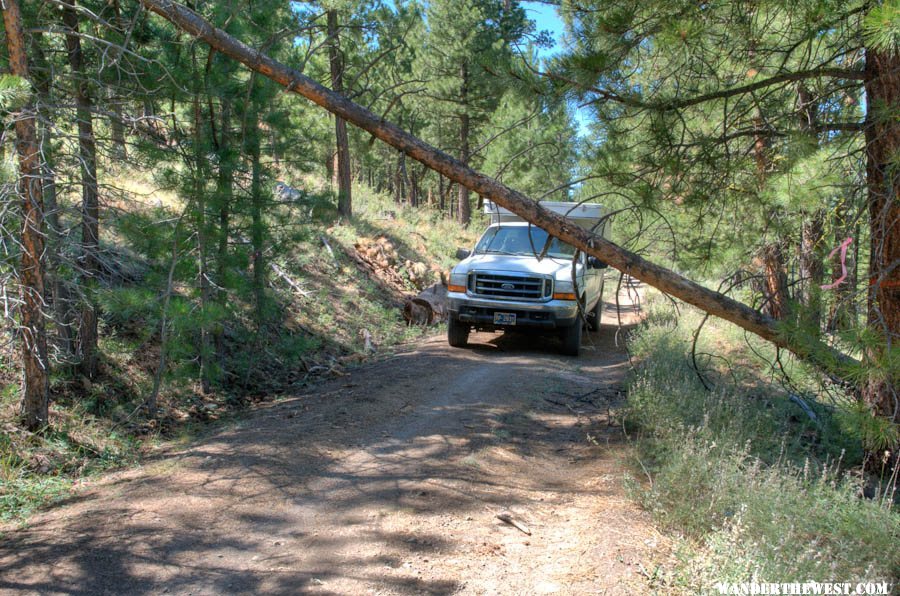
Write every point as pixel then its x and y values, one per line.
pixel 571 339
pixel 457 333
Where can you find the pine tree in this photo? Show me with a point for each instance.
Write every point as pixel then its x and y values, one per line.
pixel 33 337
pixel 90 203
pixel 466 45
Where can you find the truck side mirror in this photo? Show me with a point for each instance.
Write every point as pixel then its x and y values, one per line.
pixel 595 263
pixel 463 253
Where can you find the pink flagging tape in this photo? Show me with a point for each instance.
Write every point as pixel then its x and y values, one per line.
pixel 843 248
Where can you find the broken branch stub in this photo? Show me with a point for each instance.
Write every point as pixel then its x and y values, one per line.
pixel 715 303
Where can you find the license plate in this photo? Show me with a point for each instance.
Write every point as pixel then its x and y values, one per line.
pixel 504 318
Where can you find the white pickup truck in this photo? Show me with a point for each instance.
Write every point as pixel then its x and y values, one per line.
pixel 518 277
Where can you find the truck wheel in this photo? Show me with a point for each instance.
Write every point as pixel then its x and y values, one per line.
pixel 571 339
pixel 457 333
pixel 593 317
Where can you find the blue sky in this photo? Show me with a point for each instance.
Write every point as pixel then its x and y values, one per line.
pixel 546 18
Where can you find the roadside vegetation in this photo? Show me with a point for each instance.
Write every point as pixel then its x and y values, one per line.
pixel 754 468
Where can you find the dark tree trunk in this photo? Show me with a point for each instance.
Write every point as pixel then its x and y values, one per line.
pixel 257 229
pixel 398 182
pixel 59 291
pixel 251 136
pixel 117 128
pixel 224 196
pixel 90 204
pixel 776 304
pixel 203 273
pixel 342 167
pixel 331 168
pixel 403 178
pixel 276 152
pixel 464 212
pixel 811 270
pixel 883 181
pixel 414 191
pixel 35 365
pixel 813 227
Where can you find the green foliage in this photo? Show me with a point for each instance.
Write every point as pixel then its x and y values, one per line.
pixel 744 520
pixel 14 92
pixel 881 26
pixel 36 470
pixel 742 410
pixel 756 487
pixel 535 146
pixel 876 433
pixel 707 182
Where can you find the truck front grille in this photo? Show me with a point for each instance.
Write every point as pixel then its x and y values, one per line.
pixel 509 286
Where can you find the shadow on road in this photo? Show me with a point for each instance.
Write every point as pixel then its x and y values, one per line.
pixel 388 479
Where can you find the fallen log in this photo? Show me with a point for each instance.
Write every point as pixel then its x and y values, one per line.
pixel 436 297
pixel 715 303
pixel 418 312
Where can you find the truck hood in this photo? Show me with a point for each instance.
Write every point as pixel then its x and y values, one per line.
pixel 519 264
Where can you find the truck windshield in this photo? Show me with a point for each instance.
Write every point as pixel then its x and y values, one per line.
pixel 521 240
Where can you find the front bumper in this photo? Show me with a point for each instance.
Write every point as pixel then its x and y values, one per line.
pixel 479 312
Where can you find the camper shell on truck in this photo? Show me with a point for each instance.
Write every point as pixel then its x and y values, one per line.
pixel 518 277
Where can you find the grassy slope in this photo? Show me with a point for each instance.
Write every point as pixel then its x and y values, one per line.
pixel 754 487
pixel 321 319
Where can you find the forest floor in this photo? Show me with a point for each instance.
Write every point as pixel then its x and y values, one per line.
pixel 388 480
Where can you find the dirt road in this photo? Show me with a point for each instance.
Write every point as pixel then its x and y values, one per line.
pixel 386 481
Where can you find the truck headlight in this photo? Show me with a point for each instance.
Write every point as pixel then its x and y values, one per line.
pixel 564 290
pixel 564 286
pixel 457 282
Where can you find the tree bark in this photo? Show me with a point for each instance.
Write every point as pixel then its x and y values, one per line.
pixel 90 204
pixel 342 168
pixel 224 197
pixel 813 228
pixel 257 230
pixel 397 184
pixel 464 212
pixel 199 174
pixel 811 269
pixel 883 180
pixel 116 127
pixel 776 303
pixel 35 365
pixel 59 291
pixel 715 303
